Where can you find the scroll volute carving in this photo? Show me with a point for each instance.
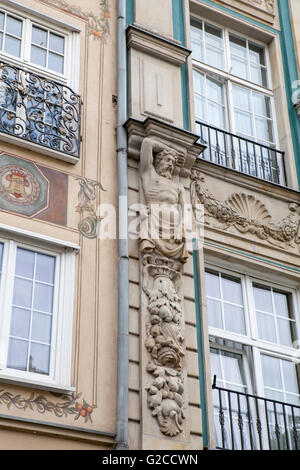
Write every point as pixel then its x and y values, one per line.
pixel 163 249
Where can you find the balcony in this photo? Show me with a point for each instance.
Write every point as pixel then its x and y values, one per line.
pixel 241 154
pixel 39 113
pixel 249 422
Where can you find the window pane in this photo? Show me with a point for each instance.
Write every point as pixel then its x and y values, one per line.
pixel 39 36
pixel 234 319
pixel 57 43
pixel 25 263
pixel 266 327
pixel 271 372
pixel 239 67
pixel 1 21
pixel 22 293
pixel 39 358
pixel 214 57
pixel 215 364
pixel 215 91
pixel 214 36
pixel 214 313
pixel 243 122
pixel 20 323
pixel 241 98
pixel 56 62
pixel 258 75
pixel 1 257
pixel 212 285
pixel 238 46
pixel 43 297
pixel 199 83
pixel 17 354
pixel 290 377
pixel 1 42
pixel 233 365
pixel 263 129
pixel 281 304
pixel 38 56
pixel 261 105
pixel 232 290
pixel 200 108
pixel 263 299
pixel 12 46
pixel 215 114
pixel 284 332
pixel 13 26
pixel 41 327
pixel 257 54
pixel 45 268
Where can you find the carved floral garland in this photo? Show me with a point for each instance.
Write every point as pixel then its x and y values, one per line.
pixel 68 406
pixel 97 25
pixel 247 214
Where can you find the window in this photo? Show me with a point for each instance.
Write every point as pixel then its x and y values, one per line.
pixel 234 101
pixel 34 323
pixel 252 327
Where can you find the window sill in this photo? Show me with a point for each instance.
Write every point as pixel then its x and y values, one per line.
pixel 38 148
pixel 48 386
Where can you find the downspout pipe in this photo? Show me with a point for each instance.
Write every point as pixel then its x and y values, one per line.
pixel 123 260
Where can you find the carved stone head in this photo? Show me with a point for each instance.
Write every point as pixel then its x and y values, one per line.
pixel 164 162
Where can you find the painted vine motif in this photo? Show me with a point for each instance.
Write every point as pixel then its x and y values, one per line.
pixel 97 25
pixel 68 406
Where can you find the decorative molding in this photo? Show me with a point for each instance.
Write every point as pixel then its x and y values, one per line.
pixel 87 199
pixel 97 25
pixel 247 215
pixel 69 405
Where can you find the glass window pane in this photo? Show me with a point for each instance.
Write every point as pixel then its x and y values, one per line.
pixel 232 290
pixel 213 36
pixel 13 26
pixel 1 257
pixel 243 122
pixel 215 91
pixel 45 268
pixel 290 377
pixel 56 62
pixel 261 105
pixel 215 364
pixel 199 83
pixel 266 327
pixel 263 299
pixel 216 114
pixel 233 364
pixel 234 319
pixel 258 75
pixel 238 46
pixel 241 98
pixel 239 67
pixel 38 56
pixel 212 285
pixel 57 43
pixel 39 36
pixel 214 313
pixel 200 108
pixel 1 21
pixel 25 263
pixel 39 358
pixel 43 297
pixel 264 129
pixel 197 49
pixel 281 304
pixel 214 57
pixel 20 323
pixel 17 354
pixel 284 332
pixel 22 293
pixel 41 327
pixel 1 41
pixel 271 372
pixel 257 54
pixel 12 46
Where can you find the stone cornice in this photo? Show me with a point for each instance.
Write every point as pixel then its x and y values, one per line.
pixel 156 46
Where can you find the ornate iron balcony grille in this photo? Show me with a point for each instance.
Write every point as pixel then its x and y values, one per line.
pixel 39 110
pixel 241 154
pixel 249 422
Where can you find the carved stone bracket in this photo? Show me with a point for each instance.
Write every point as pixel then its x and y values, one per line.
pixel 247 215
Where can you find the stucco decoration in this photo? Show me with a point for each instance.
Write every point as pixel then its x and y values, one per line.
pixel 269 4
pixel 248 215
pixel 164 252
pixel 87 200
pixel 24 189
pixel 68 405
pixel 97 25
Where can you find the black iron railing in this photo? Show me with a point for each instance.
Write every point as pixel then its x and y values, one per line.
pixel 241 154
pixel 39 110
pixel 248 422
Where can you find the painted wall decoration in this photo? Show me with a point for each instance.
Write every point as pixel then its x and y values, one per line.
pixel 32 190
pixel 97 25
pixel 24 189
pixel 87 200
pixel 69 405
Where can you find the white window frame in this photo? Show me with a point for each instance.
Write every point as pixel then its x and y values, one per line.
pixel 59 378
pixel 70 77
pixel 251 338
pixel 230 79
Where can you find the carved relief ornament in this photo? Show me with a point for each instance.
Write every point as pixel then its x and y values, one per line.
pixel 247 214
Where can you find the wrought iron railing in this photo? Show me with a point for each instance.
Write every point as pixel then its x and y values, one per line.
pixel 39 110
pixel 249 422
pixel 241 154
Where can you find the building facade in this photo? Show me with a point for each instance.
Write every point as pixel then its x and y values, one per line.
pixel 149 224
